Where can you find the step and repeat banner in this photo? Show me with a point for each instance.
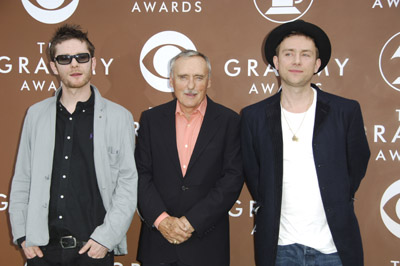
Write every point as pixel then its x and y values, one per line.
pixel 134 41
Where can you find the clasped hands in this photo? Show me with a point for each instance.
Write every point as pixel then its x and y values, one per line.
pixel 175 230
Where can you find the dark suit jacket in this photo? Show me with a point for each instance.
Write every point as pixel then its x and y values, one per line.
pixel 341 156
pixel 212 184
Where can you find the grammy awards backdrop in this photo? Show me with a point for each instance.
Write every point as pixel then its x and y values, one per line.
pixel 134 41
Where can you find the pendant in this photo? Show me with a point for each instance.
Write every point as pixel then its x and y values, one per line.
pixel 294 138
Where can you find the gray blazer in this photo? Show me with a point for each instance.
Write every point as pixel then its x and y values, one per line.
pixel 114 144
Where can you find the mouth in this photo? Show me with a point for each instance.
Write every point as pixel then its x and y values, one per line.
pixel 76 74
pixel 191 93
pixel 295 71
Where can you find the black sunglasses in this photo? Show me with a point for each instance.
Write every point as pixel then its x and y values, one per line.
pixel 67 59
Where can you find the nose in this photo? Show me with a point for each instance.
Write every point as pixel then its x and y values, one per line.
pixel 191 83
pixel 297 59
pixel 74 62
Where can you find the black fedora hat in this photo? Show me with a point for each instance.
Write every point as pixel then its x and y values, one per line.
pixel 320 38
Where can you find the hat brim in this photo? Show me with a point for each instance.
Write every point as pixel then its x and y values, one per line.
pixel 320 38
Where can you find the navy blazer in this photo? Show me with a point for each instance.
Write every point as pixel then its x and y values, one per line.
pixel 205 195
pixel 341 155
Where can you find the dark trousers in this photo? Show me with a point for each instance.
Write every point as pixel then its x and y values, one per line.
pixel 178 263
pixel 55 255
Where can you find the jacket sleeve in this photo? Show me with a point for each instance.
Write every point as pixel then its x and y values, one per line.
pixel 151 204
pixel 358 152
pixel 124 196
pixel 220 199
pixel 20 186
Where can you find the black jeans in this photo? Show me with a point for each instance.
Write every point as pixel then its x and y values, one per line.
pixel 178 263
pixel 55 255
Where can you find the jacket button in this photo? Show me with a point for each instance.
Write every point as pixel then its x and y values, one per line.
pixel 184 188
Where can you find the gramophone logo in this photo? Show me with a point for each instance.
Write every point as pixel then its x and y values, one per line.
pixel 391 201
pixel 50 11
pixel 389 62
pixel 156 54
pixel 281 11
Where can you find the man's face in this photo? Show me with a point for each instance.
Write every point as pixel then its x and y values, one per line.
pixel 190 81
pixel 74 75
pixel 297 61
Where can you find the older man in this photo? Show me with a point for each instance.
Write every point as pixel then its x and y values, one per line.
pixel 190 171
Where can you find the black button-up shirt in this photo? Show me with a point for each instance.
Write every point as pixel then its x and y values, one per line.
pixel 76 207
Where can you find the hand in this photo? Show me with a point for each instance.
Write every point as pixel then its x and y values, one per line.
pixel 174 230
pixel 188 226
pixel 31 252
pixel 94 250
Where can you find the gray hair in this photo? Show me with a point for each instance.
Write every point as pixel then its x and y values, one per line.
pixel 186 54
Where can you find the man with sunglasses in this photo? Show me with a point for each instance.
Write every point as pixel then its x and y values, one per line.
pixel 73 193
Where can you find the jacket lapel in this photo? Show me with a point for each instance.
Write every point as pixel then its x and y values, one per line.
pixel 99 137
pixel 208 129
pixel 273 115
pixel 321 111
pixel 169 132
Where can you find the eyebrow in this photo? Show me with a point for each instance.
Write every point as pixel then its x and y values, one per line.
pixel 195 75
pixel 293 49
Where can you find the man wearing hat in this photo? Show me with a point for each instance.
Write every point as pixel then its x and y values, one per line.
pixel 305 153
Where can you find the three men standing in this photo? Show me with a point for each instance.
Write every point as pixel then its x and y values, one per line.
pixel 304 155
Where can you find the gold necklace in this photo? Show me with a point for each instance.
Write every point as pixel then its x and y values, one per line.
pixel 295 138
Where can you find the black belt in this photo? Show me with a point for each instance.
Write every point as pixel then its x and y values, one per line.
pixel 67 242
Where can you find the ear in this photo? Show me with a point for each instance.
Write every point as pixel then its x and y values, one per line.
pixel 276 63
pixel 94 62
pixel 209 83
pixel 317 65
pixel 53 67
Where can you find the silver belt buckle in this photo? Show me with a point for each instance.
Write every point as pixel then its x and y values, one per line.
pixel 69 239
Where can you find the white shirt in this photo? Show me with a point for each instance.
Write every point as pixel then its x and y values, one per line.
pixel 303 219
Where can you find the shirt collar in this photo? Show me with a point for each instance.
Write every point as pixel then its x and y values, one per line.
pixel 79 105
